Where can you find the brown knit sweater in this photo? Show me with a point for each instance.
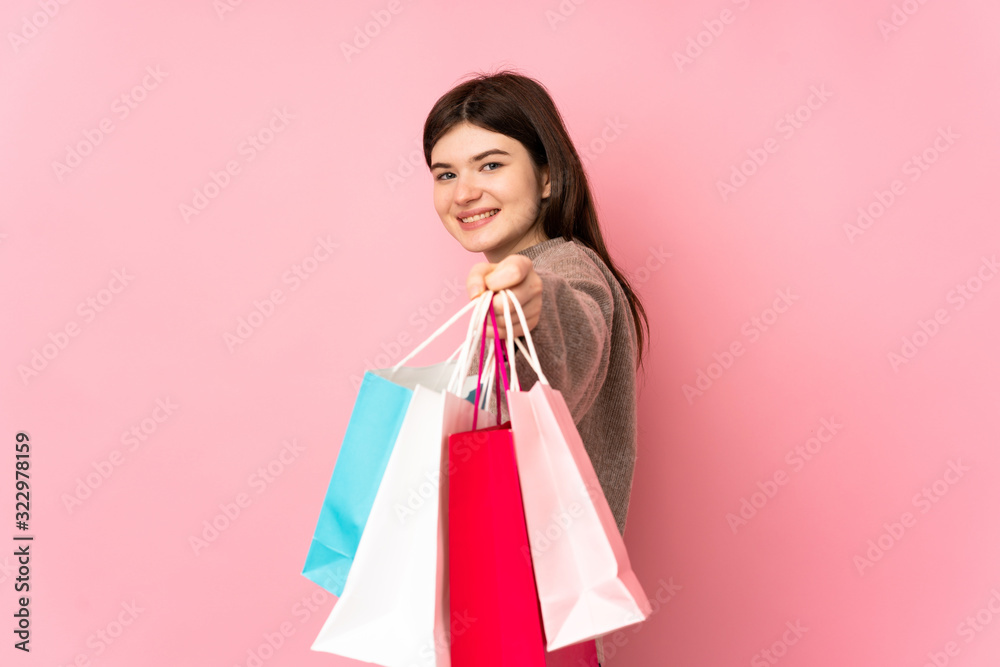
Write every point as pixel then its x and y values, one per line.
pixel 586 344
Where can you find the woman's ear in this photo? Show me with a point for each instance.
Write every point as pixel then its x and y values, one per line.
pixel 543 181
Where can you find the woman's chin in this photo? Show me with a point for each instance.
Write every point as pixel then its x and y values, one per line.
pixel 479 248
pixel 473 243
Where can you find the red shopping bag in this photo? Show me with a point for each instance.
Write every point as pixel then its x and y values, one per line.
pixel 491 583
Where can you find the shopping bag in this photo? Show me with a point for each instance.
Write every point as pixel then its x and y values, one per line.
pixel 381 403
pixel 371 432
pixel 583 654
pixel 394 607
pixel 489 580
pixel 586 586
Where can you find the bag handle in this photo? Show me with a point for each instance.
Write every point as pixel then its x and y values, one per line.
pixel 530 355
pixel 454 318
pixel 494 353
pixel 490 370
pixel 491 376
pixel 499 352
pixel 464 366
pixel 479 377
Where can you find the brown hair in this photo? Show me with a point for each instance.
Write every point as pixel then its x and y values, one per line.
pixel 521 108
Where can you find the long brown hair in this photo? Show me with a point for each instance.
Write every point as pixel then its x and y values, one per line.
pixel 521 108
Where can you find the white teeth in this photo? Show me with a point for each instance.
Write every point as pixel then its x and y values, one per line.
pixel 480 216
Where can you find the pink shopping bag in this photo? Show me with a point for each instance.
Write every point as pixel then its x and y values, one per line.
pixel 586 586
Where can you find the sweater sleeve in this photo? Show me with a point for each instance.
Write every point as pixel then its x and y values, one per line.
pixel 572 336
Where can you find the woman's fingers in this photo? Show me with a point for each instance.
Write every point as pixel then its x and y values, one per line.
pixel 517 274
pixel 529 294
pixel 475 283
pixel 508 273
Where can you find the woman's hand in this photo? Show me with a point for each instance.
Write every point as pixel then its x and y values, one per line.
pixel 517 274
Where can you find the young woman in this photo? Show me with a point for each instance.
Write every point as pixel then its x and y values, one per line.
pixel 509 184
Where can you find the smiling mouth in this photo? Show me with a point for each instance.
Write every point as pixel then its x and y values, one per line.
pixel 477 218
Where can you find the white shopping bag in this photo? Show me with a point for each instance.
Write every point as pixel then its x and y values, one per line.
pixel 394 607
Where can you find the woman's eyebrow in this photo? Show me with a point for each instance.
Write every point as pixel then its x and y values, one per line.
pixel 474 158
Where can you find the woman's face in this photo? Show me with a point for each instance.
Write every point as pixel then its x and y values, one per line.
pixel 478 171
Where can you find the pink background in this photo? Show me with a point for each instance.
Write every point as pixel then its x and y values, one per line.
pixel 841 546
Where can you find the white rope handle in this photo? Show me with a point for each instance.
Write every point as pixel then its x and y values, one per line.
pixel 454 318
pixel 489 369
pixel 489 377
pixel 530 355
pixel 514 384
pixel 472 339
pixel 536 364
pixel 520 346
pixel 460 372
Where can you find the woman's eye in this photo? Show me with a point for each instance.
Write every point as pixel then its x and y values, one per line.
pixel 444 175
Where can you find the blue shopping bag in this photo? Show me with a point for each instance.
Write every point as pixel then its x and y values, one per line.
pixel 371 433
pixel 381 404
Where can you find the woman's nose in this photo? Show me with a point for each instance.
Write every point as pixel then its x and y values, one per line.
pixel 466 190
